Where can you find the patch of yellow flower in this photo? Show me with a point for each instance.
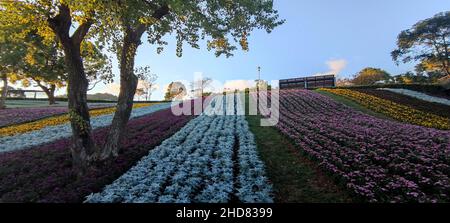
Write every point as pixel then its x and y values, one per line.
pixel 56 120
pixel 398 112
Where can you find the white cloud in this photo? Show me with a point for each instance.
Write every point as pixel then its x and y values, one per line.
pixel 142 84
pixel 113 88
pixel 335 67
pixel 238 84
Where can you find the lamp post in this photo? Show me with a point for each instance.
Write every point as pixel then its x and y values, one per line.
pixel 259 73
pixel 257 89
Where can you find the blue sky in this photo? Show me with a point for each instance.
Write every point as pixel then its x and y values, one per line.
pixel 319 36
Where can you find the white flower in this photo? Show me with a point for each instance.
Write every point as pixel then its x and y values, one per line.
pixel 53 133
pixel 419 95
pixel 196 164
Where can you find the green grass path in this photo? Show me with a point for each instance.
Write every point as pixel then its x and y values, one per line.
pixel 294 177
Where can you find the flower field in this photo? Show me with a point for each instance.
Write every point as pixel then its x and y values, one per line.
pixel 378 160
pixel 425 106
pixel 14 116
pixel 212 159
pixel 51 133
pixel 44 173
pixel 52 121
pixel 396 111
pixel 419 95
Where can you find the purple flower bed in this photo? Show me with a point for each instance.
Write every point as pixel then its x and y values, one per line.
pixel 13 116
pixel 379 160
pixel 44 173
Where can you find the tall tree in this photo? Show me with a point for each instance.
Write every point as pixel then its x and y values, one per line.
pixel 10 58
pixel 175 91
pixel 4 91
pixel 369 76
pixel 199 86
pixel 70 21
pixel 43 64
pixel 191 21
pixel 428 42
pixel 146 81
pixel 41 61
pixel 218 23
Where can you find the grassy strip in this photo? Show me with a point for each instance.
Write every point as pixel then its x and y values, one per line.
pixel 353 104
pixel 294 177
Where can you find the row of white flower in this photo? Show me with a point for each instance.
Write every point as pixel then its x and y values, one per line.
pixel 52 133
pixel 419 95
pixel 212 159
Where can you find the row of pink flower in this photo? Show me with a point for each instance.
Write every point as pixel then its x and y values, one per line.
pixel 378 160
pixel 44 173
pixel 12 116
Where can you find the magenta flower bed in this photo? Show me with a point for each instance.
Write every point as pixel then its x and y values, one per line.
pixel 44 173
pixel 13 116
pixel 379 160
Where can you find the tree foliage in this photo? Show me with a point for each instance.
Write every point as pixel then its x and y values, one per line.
pixel 369 76
pixel 37 56
pixel 198 86
pixel 119 25
pixel 146 83
pixel 427 42
pixel 175 91
pixel 220 24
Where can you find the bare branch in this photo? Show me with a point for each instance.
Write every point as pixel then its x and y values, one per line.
pixel 93 86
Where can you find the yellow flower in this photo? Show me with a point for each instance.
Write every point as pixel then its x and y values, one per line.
pixel 56 120
pixel 398 112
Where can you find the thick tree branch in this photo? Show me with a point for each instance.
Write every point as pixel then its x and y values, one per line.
pixel 81 32
pixel 61 23
pixel 161 12
pixel 38 82
pixel 158 14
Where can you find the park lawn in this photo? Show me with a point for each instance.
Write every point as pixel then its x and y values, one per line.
pixel 32 104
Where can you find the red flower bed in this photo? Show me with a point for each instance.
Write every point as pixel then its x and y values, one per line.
pixel 44 173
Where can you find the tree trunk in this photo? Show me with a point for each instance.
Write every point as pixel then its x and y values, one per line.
pixel 50 92
pixel 128 85
pixel 4 92
pixel 51 96
pixel 83 147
